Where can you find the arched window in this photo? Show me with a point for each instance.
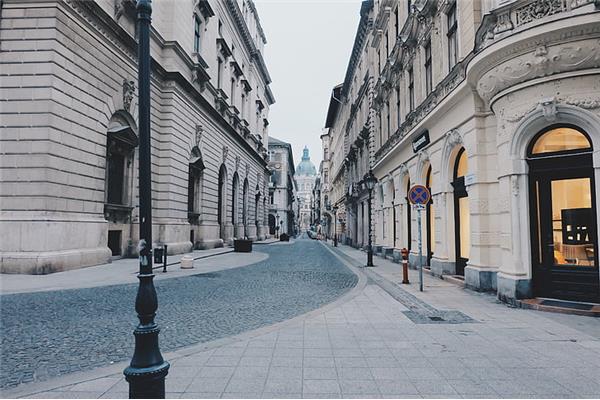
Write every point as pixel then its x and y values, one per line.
pixel 462 216
pixel 221 199
pixel 461 167
pixel 559 140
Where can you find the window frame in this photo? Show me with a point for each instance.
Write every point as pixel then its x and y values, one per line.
pixel 197 30
pixel 428 67
pixel 411 88
pixel 452 36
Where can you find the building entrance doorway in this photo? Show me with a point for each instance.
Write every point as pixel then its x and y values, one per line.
pixel 563 216
pixel 461 213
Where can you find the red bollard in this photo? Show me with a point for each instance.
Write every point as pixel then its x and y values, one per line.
pixel 404 252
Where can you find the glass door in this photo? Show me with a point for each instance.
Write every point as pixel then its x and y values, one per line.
pixel 565 240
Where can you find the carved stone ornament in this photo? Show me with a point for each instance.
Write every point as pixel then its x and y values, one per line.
pixel 543 61
pixel 225 153
pixel 453 138
pixel 198 135
pixel 118 9
pixel 549 109
pixel 237 163
pixel 588 104
pixel 128 92
pixel 423 157
pixel 403 170
pixel 247 169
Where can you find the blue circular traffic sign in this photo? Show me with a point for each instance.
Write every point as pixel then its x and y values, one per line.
pixel 419 194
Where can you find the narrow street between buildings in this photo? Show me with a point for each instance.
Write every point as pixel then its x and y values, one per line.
pixel 378 340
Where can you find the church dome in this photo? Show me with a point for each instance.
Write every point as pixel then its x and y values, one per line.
pixel 306 167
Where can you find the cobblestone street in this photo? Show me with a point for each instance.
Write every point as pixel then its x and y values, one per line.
pixel 52 333
pixel 376 341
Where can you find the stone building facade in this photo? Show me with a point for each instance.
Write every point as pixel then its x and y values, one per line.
pixel 495 107
pixel 69 165
pixel 305 176
pixel 282 188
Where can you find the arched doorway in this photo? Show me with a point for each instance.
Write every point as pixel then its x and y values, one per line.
pixel 271 224
pixel 408 217
pixel 563 215
pixel 245 207
pixel 221 201
pixel 235 204
pixel 430 216
pixel 462 229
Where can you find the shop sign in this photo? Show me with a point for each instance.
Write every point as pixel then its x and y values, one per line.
pixel 420 141
pixel 469 179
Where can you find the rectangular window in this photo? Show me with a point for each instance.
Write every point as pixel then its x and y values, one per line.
pixel 116 178
pixel 197 26
pixel 232 97
pixel 387 43
pixel 219 73
pixel 243 106
pixel 428 73
pixel 399 116
pixel 380 129
pixel 411 90
pixel 452 39
pixel 396 23
pixel 388 120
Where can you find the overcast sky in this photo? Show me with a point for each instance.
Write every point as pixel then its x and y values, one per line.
pixel 307 52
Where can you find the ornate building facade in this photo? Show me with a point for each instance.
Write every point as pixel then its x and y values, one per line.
pixel 282 188
pixel 69 127
pixel 495 107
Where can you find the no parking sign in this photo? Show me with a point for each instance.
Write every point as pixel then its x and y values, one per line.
pixel 419 194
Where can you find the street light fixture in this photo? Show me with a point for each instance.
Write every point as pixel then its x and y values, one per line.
pixel 335 208
pixel 147 371
pixel 370 181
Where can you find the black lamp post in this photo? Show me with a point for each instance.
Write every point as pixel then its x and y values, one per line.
pixel 147 371
pixel 335 208
pixel 369 181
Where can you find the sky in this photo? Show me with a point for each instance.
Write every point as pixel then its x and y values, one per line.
pixel 308 47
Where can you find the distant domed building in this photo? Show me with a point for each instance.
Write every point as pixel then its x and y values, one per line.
pixel 306 167
pixel 306 174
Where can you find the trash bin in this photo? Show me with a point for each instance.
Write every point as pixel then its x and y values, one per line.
pixel 159 254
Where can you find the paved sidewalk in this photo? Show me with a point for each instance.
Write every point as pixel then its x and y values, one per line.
pixel 364 345
pixel 125 271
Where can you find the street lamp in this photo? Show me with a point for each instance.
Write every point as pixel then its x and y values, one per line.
pixel 335 208
pixel 147 371
pixel 328 208
pixel 369 181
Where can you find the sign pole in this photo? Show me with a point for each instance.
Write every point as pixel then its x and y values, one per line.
pixel 420 249
pixel 419 196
